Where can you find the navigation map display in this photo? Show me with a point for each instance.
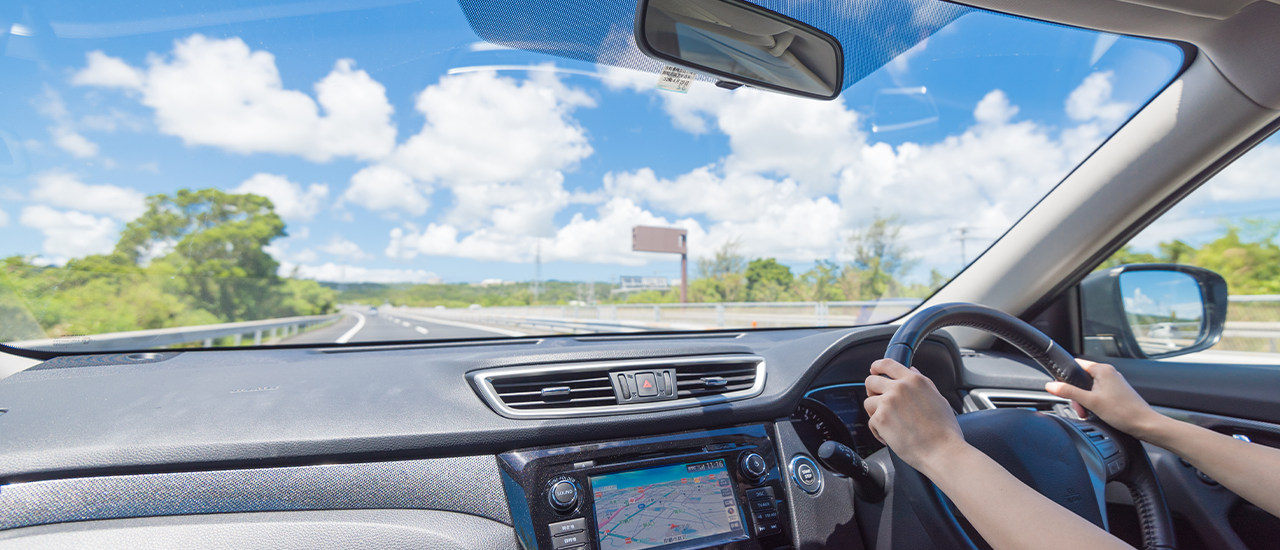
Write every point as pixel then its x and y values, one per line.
pixel 667 505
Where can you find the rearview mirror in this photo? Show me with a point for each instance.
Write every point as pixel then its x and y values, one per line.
pixel 742 43
pixel 1152 310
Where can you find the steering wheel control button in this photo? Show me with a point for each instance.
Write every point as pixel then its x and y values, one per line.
pixel 563 495
pixel 568 541
pixel 567 527
pixel 646 384
pixel 753 465
pixel 806 474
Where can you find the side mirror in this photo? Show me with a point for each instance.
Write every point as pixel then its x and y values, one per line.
pixel 742 43
pixel 1150 311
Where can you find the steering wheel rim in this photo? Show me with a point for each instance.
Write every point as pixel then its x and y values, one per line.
pixel 1135 470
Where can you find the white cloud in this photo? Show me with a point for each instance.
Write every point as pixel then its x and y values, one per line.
pixel 345 273
pixel 339 246
pixel 382 187
pixel 64 190
pixel 1092 101
pixel 222 94
pixel 72 142
pixel 290 200
pixel 1251 177
pixel 4 219
pixel 500 144
pixel 111 72
pixel 605 239
pixel 70 234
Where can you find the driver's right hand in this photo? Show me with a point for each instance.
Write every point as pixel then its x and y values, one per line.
pixel 1112 399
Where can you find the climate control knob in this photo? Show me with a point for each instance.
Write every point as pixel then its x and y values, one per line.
pixel 563 495
pixel 753 465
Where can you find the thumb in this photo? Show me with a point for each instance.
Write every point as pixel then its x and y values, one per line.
pixel 1062 389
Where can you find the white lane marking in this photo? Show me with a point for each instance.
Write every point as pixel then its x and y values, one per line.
pixel 420 329
pixel 438 320
pixel 406 324
pixel 346 337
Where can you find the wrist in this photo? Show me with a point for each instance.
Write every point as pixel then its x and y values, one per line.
pixel 1153 427
pixel 945 458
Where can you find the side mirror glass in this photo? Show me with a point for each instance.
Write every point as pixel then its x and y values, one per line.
pixel 742 43
pixel 1152 310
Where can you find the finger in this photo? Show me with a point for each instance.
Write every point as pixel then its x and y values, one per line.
pixel 877 385
pixel 1085 364
pixel 889 367
pixel 1061 389
pixel 877 434
pixel 871 404
pixel 1080 411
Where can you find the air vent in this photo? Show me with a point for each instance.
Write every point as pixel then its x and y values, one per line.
pixel 585 389
pixel 1013 399
pixel 714 378
pixel 556 390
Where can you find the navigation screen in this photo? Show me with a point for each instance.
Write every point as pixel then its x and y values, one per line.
pixel 665 505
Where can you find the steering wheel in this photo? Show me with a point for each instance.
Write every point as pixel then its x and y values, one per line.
pixel 1067 460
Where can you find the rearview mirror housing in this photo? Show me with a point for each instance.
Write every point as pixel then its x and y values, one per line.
pixel 1152 311
pixel 742 43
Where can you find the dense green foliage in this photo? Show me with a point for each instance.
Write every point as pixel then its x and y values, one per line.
pixel 193 258
pixel 1246 256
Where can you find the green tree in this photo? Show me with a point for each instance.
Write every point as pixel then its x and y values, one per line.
pixel 721 278
pixel 879 260
pixel 820 284
pixel 215 243
pixel 767 279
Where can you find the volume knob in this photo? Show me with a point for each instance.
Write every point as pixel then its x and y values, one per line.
pixel 753 465
pixel 563 495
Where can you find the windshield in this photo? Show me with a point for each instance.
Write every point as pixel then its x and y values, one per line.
pixel 216 174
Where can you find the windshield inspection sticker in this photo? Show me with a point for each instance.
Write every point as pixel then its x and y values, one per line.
pixel 675 79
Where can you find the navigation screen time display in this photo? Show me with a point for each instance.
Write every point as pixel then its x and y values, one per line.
pixel 667 505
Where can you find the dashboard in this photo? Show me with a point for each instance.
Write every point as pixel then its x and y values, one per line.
pixel 564 443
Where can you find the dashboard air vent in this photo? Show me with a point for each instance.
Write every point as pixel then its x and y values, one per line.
pixel 556 390
pixel 713 378
pixel 588 389
pixel 983 399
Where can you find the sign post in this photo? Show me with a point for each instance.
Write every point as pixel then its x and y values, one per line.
pixel 669 240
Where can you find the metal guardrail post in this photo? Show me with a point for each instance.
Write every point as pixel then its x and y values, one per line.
pixel 257 338
pixel 720 315
pixel 236 339
pixel 657 313
pixel 208 342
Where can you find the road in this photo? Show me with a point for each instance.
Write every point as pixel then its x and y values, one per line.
pixel 370 325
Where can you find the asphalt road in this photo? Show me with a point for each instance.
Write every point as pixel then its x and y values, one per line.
pixel 375 326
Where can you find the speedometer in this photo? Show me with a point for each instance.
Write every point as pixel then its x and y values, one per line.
pixel 814 423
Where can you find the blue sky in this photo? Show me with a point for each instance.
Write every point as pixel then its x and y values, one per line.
pixel 387 167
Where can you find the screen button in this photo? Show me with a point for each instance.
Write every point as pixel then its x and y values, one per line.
pixel 568 541
pixel 646 384
pixel 566 527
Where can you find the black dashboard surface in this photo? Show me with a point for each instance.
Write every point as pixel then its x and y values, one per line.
pixel 255 408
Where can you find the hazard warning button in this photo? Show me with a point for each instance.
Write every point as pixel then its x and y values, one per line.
pixel 646 384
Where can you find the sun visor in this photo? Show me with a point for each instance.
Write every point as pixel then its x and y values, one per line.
pixel 601 31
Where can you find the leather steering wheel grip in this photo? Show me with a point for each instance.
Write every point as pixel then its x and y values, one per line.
pixel 1047 353
pixel 1139 475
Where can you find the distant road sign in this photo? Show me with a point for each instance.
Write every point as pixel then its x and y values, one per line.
pixel 659 239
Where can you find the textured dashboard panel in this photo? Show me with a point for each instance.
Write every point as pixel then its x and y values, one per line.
pixel 381 529
pixel 469 485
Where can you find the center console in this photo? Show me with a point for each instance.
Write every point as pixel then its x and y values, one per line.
pixel 696 490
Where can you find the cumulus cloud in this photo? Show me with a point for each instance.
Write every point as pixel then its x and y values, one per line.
pixel 339 246
pixel 382 187
pixel 221 93
pixel 346 273
pixel 500 144
pixel 62 189
pixel 1092 100
pixel 4 219
pixel 64 134
pixel 291 201
pixel 604 239
pixel 70 234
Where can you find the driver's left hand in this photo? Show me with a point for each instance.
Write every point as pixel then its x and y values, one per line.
pixel 910 416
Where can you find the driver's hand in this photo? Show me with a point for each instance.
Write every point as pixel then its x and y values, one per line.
pixel 909 415
pixel 1112 399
